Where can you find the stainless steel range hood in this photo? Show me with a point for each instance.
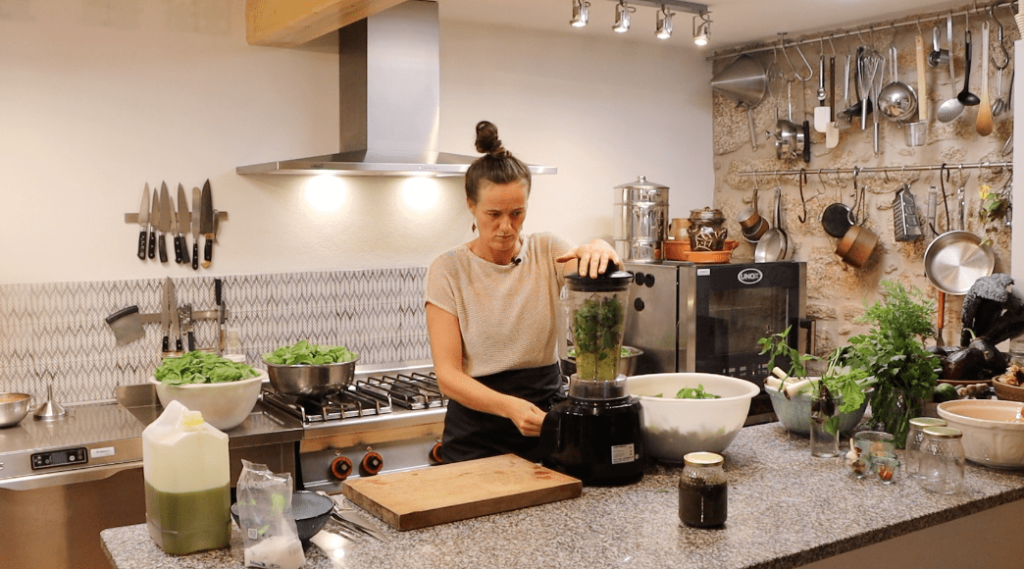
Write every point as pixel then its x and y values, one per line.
pixel 390 101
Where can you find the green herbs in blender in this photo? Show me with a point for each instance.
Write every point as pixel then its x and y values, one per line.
pixel 597 327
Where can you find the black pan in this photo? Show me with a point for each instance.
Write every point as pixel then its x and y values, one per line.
pixel 837 219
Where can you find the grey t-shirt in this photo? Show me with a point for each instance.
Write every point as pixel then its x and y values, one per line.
pixel 507 313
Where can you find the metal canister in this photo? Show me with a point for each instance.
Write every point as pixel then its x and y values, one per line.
pixel 641 221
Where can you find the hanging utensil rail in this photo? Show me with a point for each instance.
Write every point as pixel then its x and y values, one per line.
pixel 879 169
pixel 867 29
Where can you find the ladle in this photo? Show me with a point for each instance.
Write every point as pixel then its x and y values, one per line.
pixel 896 101
pixel 951 108
pixel 965 97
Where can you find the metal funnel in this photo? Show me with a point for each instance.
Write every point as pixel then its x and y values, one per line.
pixel 743 81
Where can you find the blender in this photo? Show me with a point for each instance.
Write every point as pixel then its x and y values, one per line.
pixel 596 435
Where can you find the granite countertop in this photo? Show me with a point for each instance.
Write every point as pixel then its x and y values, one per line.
pixel 786 509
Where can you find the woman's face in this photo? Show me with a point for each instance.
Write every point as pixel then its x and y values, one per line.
pixel 499 213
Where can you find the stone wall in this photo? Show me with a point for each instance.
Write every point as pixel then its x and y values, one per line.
pixel 837 291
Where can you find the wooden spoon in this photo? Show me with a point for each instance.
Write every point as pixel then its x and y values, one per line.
pixel 984 124
pixel 922 82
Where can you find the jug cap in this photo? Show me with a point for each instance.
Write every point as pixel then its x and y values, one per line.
pixel 612 279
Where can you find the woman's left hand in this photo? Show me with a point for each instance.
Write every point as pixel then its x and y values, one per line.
pixel 593 257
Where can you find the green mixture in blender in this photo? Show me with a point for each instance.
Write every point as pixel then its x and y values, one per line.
pixel 597 329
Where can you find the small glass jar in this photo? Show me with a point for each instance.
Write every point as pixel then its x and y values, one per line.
pixel 941 469
pixel 915 438
pixel 703 490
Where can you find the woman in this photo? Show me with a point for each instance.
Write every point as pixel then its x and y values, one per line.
pixel 491 313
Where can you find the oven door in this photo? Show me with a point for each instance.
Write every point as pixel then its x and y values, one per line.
pixel 739 304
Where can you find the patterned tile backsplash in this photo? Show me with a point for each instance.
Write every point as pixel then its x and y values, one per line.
pixel 56 333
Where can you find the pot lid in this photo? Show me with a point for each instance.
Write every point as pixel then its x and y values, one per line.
pixel 613 279
pixel 642 183
pixel 706 214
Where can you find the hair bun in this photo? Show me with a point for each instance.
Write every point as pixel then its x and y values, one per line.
pixel 487 141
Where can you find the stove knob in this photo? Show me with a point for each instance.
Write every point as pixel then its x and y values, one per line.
pixel 372 463
pixel 435 453
pixel 341 467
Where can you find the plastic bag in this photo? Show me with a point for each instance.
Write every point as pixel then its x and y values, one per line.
pixel 265 518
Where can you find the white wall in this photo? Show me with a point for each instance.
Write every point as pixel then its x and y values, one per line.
pixel 99 98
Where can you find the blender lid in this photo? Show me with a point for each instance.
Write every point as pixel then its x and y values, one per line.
pixel 611 280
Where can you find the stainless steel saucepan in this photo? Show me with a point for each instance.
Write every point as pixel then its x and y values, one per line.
pixel 957 258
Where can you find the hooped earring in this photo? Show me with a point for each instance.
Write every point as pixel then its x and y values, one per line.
pixel 474 227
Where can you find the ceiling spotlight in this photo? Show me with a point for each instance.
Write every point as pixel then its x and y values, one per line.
pixel 664 29
pixel 702 30
pixel 580 13
pixel 622 12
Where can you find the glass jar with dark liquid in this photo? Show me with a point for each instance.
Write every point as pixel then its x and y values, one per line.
pixel 703 490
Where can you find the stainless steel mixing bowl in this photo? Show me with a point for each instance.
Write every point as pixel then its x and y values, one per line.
pixel 13 408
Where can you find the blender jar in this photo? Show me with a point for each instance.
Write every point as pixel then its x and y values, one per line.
pixel 597 317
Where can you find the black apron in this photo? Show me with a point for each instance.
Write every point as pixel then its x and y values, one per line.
pixel 471 434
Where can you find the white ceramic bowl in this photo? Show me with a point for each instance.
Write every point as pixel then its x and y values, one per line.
pixel 223 405
pixel 674 427
pixel 990 436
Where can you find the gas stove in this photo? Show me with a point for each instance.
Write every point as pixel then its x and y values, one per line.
pixel 389 419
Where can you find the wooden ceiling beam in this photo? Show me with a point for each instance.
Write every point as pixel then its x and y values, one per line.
pixel 290 23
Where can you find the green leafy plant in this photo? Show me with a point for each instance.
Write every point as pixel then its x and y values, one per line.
pixel 201 367
pixel 893 352
pixel 777 346
pixel 597 327
pixel 306 353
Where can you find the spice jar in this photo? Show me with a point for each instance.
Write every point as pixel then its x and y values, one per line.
pixel 915 439
pixel 703 490
pixel 941 469
pixel 706 230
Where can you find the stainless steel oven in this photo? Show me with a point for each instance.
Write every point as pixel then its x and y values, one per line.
pixel 708 318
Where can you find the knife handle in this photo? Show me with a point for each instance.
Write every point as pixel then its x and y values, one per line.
pixel 177 249
pixel 218 295
pixel 195 255
pixel 177 345
pixel 166 344
pixel 161 247
pixel 142 244
pixel 191 342
pixel 208 252
pixel 151 248
pixel 184 250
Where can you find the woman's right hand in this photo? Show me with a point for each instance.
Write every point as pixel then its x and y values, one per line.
pixel 526 416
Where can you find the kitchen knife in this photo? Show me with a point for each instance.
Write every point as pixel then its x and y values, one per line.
pixel 165 221
pixel 218 293
pixel 165 314
pixel 175 317
pixel 187 313
pixel 206 224
pixel 196 199
pixel 143 221
pixel 184 222
pixel 155 215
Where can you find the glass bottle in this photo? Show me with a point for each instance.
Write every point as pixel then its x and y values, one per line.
pixel 915 438
pixel 703 490
pixel 941 469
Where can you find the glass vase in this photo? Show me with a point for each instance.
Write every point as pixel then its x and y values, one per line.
pixel 825 438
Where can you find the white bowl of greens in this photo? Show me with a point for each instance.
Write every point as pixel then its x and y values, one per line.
pixel 224 391
pixel 690 412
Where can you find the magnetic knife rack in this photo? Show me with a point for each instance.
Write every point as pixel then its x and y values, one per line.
pixel 155 317
pixel 133 218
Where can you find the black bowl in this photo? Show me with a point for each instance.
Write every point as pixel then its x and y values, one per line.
pixel 310 510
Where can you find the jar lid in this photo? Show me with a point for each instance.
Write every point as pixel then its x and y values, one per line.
pixel 923 422
pixel 943 432
pixel 612 279
pixel 703 459
pixel 642 183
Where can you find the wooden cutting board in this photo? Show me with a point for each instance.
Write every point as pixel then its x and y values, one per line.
pixel 450 492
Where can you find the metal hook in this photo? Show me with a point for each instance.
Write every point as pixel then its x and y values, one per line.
pixel 831 45
pixel 856 173
pixel 921 33
pixel 1001 42
pixel 886 173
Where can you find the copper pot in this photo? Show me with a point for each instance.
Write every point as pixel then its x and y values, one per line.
pixel 856 245
pixel 706 231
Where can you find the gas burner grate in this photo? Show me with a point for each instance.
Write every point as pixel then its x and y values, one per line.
pixel 333 407
pixel 409 391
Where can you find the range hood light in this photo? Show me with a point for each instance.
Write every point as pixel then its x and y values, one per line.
pixel 580 13
pixel 622 15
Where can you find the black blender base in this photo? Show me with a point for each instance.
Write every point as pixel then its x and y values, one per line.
pixel 599 442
